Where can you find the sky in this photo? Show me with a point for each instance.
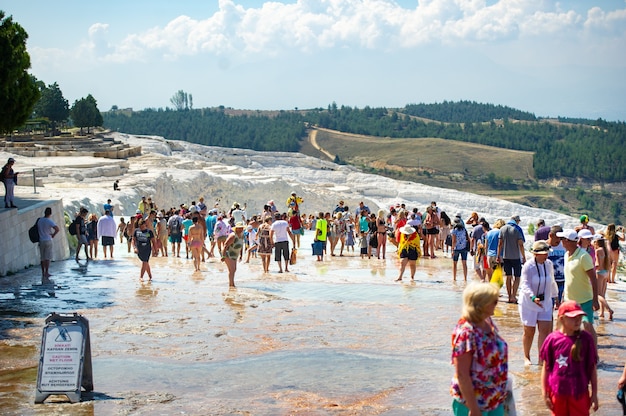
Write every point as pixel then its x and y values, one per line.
pixel 550 58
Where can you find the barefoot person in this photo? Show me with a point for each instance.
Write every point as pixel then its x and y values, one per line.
pixel 47 230
pixel 196 238
pixel 408 250
pixel 231 250
pixel 537 289
pixel 142 241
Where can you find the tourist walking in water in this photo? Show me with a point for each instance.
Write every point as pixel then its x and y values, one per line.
pixel 511 255
pixel 265 246
pixel 460 243
pixel 80 230
pixel 537 289
pixel 107 230
pixel 408 250
pixel 381 232
pixel 569 365
pixel 580 278
pixel 479 355
pixel 92 235
pixel 602 273
pixel 232 250
pixel 142 241
pixel 196 240
pixel 280 235
pixel 613 239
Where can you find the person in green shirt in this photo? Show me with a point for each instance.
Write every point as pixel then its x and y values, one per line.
pixel 321 228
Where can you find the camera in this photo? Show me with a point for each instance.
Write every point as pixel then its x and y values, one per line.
pixel 541 297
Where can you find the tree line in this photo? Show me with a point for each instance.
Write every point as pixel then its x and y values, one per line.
pixel 213 127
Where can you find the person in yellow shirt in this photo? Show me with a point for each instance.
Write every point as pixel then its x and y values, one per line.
pixel 293 203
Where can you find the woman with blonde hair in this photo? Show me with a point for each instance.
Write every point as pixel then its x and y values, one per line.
pixel 613 238
pixel 92 235
pixel 479 355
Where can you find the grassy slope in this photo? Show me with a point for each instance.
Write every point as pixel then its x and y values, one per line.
pixel 456 165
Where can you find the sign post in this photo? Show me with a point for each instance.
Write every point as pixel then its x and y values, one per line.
pixel 65 360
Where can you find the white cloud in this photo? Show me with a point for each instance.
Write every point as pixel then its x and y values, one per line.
pixel 307 26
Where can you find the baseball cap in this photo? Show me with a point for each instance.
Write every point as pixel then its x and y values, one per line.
pixel 585 233
pixel 571 309
pixel 568 234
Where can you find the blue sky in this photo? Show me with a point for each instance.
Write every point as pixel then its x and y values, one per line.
pixel 564 58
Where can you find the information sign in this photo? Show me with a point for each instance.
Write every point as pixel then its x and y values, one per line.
pixel 65 361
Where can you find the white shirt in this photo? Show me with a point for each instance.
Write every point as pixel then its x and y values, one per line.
pixel 280 228
pixel 106 226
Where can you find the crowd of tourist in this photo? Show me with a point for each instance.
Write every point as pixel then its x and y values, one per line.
pixel 569 272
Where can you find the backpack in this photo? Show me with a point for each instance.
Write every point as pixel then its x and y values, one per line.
pixel 33 232
pixel 72 229
pixel 174 226
pixel 3 173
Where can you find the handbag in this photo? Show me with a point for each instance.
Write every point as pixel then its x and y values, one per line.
pixel 292 258
pixel 496 277
pixel 317 248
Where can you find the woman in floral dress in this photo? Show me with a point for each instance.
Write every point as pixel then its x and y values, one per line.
pixel 479 356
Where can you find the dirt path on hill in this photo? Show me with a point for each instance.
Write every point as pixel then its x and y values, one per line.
pixel 313 141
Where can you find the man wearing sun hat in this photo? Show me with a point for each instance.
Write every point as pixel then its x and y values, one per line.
pixel 580 277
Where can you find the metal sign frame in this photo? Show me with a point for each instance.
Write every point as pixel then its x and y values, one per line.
pixel 65 360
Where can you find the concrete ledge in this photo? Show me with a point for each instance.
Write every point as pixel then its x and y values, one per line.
pixel 16 250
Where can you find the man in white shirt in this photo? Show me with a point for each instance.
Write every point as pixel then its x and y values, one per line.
pixel 280 234
pixel 107 229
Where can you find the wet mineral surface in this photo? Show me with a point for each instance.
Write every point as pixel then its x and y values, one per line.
pixel 338 337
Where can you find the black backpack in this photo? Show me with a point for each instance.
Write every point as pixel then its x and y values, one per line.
pixel 33 232
pixel 72 228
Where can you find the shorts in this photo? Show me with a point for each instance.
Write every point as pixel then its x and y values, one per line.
pixel 512 267
pixel 432 231
pixel 108 241
pixel 456 253
pixel 530 315
pixel 570 405
pixel 45 250
pixel 176 238
pixel 82 239
pixel 493 262
pixel 409 253
pixel 281 250
pixel 588 309
pixel 459 409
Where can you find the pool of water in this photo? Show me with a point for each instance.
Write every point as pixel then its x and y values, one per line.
pixel 333 338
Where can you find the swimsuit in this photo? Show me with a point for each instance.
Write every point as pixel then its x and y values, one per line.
pixel 233 250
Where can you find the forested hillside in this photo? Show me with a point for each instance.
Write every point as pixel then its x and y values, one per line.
pixel 592 151
pixel 212 127
pixel 465 112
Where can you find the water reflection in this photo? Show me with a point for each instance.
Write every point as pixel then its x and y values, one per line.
pixel 336 337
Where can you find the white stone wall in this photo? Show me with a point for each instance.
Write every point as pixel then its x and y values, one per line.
pixel 16 250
